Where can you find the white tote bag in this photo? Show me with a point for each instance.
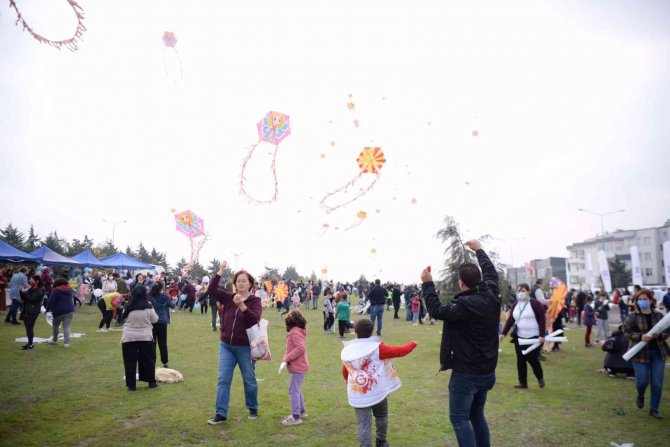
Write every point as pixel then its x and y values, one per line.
pixel 258 340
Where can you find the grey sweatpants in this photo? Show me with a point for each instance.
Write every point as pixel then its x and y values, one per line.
pixel 602 327
pixel 66 319
pixel 364 417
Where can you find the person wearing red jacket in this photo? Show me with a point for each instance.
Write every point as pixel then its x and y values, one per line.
pixel 371 377
pixel 243 310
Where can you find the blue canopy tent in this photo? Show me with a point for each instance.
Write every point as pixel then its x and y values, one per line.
pixel 49 257
pixel 123 261
pixel 87 259
pixel 11 254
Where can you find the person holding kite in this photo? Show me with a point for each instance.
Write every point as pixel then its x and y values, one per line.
pixel 242 311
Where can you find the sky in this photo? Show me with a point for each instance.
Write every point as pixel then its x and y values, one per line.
pixel 569 102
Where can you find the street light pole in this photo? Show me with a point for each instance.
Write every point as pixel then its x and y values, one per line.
pixel 114 224
pixel 602 218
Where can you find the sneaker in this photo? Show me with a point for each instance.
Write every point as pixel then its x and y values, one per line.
pixel 66 345
pixel 153 385
pixel 655 413
pixel 132 388
pixel 52 342
pixel 521 386
pixel 303 415
pixel 106 329
pixel 165 365
pixel 99 329
pixel 28 347
pixel 217 419
pixel 253 414
pixel 541 382
pixel 291 421
pixel 639 401
pixel 381 443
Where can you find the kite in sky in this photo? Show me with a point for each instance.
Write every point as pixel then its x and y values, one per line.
pixel 170 42
pixel 370 161
pixel 71 43
pixel 362 215
pixel 193 227
pixel 281 292
pixel 273 128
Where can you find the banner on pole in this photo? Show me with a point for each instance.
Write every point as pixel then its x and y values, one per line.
pixel 635 265
pixel 604 271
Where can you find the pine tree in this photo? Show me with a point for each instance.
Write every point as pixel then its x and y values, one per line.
pixel 104 250
pixel 291 273
pixel 13 236
pixel 56 243
pixel 456 254
pixel 618 273
pixel 87 243
pixel 33 242
pixel 129 251
pixel 180 265
pixel 143 254
pixel 75 248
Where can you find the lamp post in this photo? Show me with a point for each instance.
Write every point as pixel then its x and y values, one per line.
pixel 114 224
pixel 602 215
pixel 511 255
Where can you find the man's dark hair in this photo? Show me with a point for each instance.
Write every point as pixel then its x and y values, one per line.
pixel 470 275
pixel 377 281
pixel 538 282
pixel 363 328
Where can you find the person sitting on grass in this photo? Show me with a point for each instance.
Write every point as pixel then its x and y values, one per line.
pixel 371 377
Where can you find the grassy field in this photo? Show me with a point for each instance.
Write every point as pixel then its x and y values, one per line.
pixel 76 397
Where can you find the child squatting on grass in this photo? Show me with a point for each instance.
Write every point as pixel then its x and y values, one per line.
pixel 368 369
pixel 295 358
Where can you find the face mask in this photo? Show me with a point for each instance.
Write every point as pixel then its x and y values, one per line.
pixel 644 304
pixel 523 296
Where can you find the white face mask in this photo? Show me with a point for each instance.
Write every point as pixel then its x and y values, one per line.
pixel 523 296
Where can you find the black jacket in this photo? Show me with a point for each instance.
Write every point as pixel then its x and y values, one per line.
pixel 377 295
pixel 396 295
pixel 470 330
pixel 616 346
pixel 32 301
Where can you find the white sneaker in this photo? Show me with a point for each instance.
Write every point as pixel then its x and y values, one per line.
pixel 290 421
pixel 106 330
pixel 52 342
pixel 99 329
pixel 66 345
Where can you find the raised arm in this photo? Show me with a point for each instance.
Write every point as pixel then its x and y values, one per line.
pixel 221 296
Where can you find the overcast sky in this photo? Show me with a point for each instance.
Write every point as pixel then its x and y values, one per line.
pixel 570 102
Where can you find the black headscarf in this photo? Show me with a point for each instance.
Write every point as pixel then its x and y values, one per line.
pixel 138 301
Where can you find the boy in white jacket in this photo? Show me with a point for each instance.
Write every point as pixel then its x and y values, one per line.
pixel 368 369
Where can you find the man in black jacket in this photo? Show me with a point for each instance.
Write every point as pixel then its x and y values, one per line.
pixel 377 302
pixel 396 300
pixel 469 343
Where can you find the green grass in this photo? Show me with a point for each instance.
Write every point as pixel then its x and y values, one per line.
pixel 76 397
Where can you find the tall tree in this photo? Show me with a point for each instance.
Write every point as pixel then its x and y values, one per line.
pixel 129 251
pixel 75 247
pixel 56 243
pixel 197 271
pixel 13 236
pixel 104 250
pixel 143 254
pixel 271 273
pixel 621 277
pixel 33 241
pixel 455 254
pixel 87 243
pixel 291 273
pixel 180 265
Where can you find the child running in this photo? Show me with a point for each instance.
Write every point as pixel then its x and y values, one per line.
pixel 296 361
pixel 368 369
pixel 343 311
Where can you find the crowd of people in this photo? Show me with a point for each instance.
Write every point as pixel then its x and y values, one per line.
pixel 471 333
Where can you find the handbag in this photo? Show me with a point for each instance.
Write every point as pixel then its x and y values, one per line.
pixel 258 341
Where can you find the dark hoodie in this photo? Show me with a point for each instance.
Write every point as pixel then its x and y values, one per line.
pixel 61 299
pixel 235 322
pixel 470 330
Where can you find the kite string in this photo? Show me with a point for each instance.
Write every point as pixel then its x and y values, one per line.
pixel 344 190
pixel 181 68
pixel 195 252
pixel 71 43
pixel 243 179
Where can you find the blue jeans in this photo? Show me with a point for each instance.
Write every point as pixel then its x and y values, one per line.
pixel 229 356
pixel 467 397
pixel 650 372
pixel 376 312
pixel 415 317
pixel 11 315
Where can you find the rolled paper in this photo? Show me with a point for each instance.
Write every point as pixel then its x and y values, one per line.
pixel 659 327
pixel 532 347
pixel 549 338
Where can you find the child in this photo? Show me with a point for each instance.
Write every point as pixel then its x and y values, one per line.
pixel 343 314
pixel 368 369
pixel 589 321
pixel 296 361
pixel 416 303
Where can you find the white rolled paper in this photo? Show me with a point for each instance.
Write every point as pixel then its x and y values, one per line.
pixel 658 328
pixel 532 347
pixel 537 344
pixel 549 338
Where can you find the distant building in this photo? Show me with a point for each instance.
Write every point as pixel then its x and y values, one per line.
pixel 649 242
pixel 535 269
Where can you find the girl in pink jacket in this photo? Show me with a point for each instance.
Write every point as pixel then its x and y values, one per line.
pixel 297 364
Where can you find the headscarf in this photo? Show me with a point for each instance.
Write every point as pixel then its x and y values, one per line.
pixel 138 301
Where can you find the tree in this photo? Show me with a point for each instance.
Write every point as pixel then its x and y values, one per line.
pixel 271 273
pixel 455 254
pixel 197 271
pixel 313 276
pixel 104 250
pixel 620 276
pixel 75 248
pixel 87 243
pixel 56 243
pixel 129 251
pixel 13 236
pixel 180 265
pixel 143 254
pixel 291 273
pixel 33 242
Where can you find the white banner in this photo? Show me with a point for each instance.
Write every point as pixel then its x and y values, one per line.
pixel 589 270
pixel 666 261
pixel 635 265
pixel 567 274
pixel 604 271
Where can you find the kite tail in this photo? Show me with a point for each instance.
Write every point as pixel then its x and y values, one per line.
pixel 344 189
pixel 243 179
pixel 196 246
pixel 181 68
pixel 71 43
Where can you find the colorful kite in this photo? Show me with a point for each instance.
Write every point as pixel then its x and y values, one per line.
pixel 193 227
pixel 273 128
pixel 362 215
pixel 324 271
pixel 71 43
pixel 170 42
pixel 556 304
pixel 281 292
pixel 370 161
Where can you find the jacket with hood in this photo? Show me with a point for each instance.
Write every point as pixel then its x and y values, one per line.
pixel 32 299
pixel 162 305
pixel 235 322
pixel 470 330
pixel 61 300
pixel 296 351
